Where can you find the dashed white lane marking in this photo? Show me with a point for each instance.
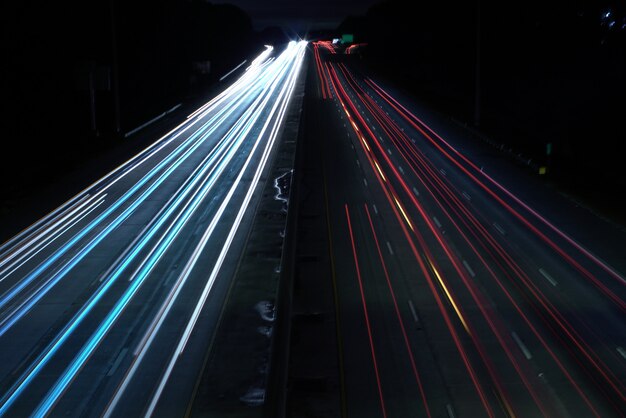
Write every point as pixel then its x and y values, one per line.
pixel 389 151
pixel 375 209
pixel 469 269
pixel 499 228
pixel 416 192
pixel 365 182
pixel 465 195
pixel 522 346
pixel 450 411
pixel 401 170
pixel 621 351
pixel 415 318
pixel 437 221
pixel 389 248
pixel 548 277
pixel 442 171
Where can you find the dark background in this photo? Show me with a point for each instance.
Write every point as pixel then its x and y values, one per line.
pixel 77 76
pixel 549 72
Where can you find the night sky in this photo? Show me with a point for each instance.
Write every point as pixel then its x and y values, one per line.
pixel 303 14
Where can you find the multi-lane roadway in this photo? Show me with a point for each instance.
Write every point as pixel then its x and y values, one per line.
pixel 455 295
pixel 108 303
pixel 455 291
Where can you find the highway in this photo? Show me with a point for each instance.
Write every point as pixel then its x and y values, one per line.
pixel 108 304
pixel 455 296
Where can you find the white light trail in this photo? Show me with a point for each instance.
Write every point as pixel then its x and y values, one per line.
pixel 175 160
pixel 233 230
pixel 222 153
pixel 282 76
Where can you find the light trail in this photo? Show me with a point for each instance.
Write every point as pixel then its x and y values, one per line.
pixel 350 50
pixel 449 295
pixel 55 219
pixel 407 344
pixel 178 156
pixel 232 97
pixel 344 98
pixel 62 383
pixel 12 316
pixel 280 105
pixel 429 134
pixel 569 331
pixel 365 314
pixel 166 307
pixel 481 350
pixel 487 316
pixel 475 228
pixel 178 211
pixel 51 234
pixel 565 328
pixel 146 266
pixel 321 73
pixel 232 93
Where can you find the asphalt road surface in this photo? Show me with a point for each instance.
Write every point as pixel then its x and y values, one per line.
pixel 456 283
pixel 431 277
pixel 108 303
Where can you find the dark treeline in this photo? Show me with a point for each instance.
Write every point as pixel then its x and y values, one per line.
pixel 170 49
pixel 550 72
pixel 61 61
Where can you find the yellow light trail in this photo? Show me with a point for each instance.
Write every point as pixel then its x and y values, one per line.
pixel 362 138
pixel 445 289
pixel 380 171
pixel 406 218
